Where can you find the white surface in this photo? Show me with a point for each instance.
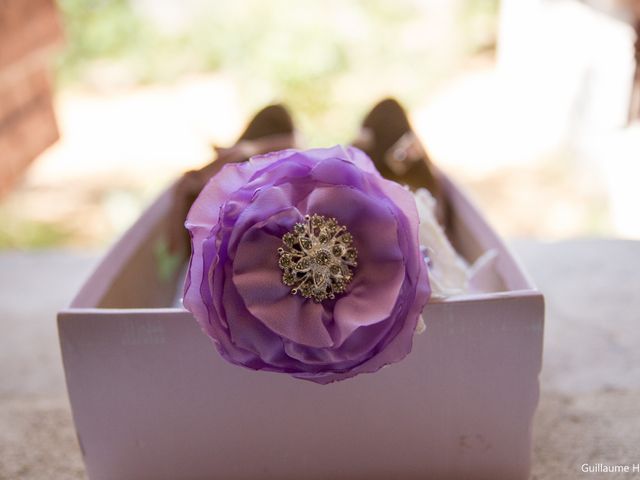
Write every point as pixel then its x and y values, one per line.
pixel 592 296
pixel 33 287
pixel 591 288
pixel 589 411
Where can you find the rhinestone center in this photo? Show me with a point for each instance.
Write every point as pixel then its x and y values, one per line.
pixel 317 257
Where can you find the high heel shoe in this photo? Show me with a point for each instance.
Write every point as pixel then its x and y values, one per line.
pixel 387 137
pixel 271 129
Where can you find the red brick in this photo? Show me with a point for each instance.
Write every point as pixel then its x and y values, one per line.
pixel 18 90
pixel 24 137
pixel 25 27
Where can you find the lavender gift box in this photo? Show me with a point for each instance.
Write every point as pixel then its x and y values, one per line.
pixel 152 399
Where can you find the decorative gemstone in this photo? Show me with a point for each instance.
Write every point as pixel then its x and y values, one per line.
pixel 289 239
pixel 319 295
pixel 331 225
pixel 303 264
pixel 285 260
pixel 322 257
pixel 346 238
pixel 317 258
pixel 305 290
pixel 317 220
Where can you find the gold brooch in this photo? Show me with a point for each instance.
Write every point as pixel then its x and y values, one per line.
pixel 317 258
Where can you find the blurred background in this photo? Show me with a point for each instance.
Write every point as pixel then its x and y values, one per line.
pixel 528 104
pixel 532 106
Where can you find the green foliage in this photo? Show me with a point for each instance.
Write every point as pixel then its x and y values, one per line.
pixel 95 30
pixel 329 60
pixel 479 21
pixel 30 234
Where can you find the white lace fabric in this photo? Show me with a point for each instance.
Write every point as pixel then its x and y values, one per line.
pixel 449 273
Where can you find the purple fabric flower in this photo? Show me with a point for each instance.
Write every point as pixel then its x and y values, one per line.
pixel 234 285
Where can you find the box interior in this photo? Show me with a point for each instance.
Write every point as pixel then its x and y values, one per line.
pixel 142 259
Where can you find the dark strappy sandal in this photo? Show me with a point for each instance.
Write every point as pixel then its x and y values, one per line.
pixel 387 137
pixel 270 129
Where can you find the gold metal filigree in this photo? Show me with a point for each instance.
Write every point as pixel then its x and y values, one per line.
pixel 317 258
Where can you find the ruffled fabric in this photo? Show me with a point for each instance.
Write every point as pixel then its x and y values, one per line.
pixel 449 272
pixel 234 286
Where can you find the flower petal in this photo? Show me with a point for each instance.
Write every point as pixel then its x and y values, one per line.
pixel 258 279
pixel 377 280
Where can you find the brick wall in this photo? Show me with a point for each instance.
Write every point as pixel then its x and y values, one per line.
pixel 29 32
